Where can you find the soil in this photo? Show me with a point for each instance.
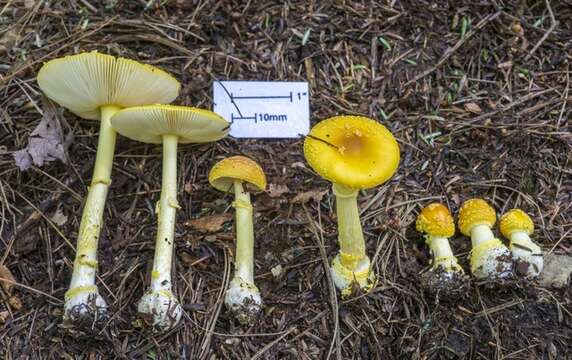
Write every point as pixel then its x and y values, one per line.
pixel 477 94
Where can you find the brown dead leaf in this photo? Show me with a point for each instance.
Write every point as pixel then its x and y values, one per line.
pixel 4 315
pixel 15 302
pixel 275 191
pixel 209 224
pixel 473 108
pixel 59 218
pixel 45 144
pixel 7 280
pixel 8 39
pixel 304 197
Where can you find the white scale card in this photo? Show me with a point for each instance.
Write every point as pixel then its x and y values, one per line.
pixel 263 109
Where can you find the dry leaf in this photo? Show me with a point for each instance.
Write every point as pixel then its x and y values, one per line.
pixel 59 218
pixel 209 224
pixel 275 191
pixel 15 302
pixel 45 144
pixel 7 280
pixel 8 39
pixel 304 197
pixel 473 108
pixel 4 315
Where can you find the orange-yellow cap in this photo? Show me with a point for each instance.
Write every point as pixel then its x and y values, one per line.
pixel 223 173
pixel 435 219
pixel 475 212
pixel 515 220
pixel 353 151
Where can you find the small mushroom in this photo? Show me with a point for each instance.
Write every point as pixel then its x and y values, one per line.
pixel 353 152
pixel 169 125
pixel 235 174
pixel 95 86
pixel 446 277
pixel 490 258
pixel 517 226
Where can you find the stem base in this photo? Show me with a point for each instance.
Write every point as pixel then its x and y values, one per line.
pixel 344 278
pixel 159 310
pixel 85 311
pixel 243 300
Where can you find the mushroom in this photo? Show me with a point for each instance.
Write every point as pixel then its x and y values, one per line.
pixel 490 258
pixel 446 276
pixel 169 125
pixel 95 86
pixel 353 152
pixel 517 226
pixel 237 173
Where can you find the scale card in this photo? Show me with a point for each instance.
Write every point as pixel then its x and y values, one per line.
pixel 263 109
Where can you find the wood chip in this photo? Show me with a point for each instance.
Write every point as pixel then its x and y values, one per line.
pixel 7 280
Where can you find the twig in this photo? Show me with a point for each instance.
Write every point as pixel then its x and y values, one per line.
pixel 546 34
pixel 205 345
pixel 331 287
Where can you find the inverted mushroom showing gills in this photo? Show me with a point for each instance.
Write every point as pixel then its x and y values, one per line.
pixel 517 226
pixel 95 86
pixel 353 152
pixel 490 258
pixel 169 125
pixel 446 277
pixel 237 174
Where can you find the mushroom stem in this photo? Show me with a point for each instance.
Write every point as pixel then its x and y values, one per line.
pixel 351 265
pixel 158 306
pixel 442 253
pixel 244 258
pixel 350 233
pixel 168 205
pixel 520 239
pixel 82 300
pixel 481 234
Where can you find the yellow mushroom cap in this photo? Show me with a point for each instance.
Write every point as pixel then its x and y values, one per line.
pixel 435 219
pixel 475 212
pixel 150 123
pixel 85 82
pixel 361 152
pixel 515 220
pixel 224 172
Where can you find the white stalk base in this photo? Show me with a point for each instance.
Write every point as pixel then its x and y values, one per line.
pixel 84 308
pixel 526 254
pixel 446 278
pixel 490 258
pixel 243 300
pixel 160 310
pixel 344 278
